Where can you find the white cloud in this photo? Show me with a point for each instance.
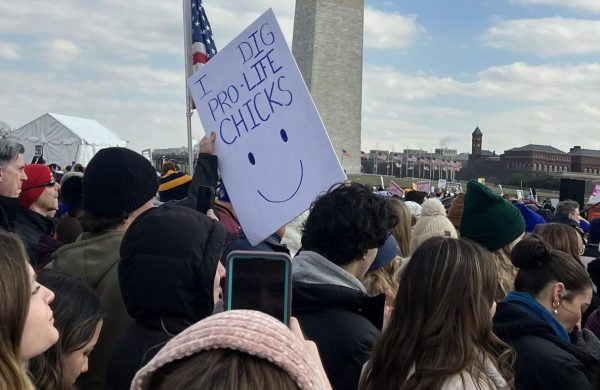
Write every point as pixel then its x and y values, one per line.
pixel 385 30
pixel 584 5
pixel 9 51
pixel 59 52
pixel 515 104
pixel 545 37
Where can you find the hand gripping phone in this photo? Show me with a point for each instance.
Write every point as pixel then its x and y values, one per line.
pixel 260 281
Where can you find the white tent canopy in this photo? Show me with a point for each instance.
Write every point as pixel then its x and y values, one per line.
pixel 62 139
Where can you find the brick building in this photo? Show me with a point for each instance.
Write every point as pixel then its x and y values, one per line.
pixel 585 160
pixel 536 158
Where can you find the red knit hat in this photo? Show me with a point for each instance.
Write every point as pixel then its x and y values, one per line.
pixel 32 188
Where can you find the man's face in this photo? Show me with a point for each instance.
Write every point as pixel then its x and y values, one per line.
pixel 575 215
pixel 12 176
pixel 48 200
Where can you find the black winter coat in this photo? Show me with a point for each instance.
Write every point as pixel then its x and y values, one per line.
pixel 36 231
pixel 544 361
pixel 8 212
pixel 169 258
pixel 344 324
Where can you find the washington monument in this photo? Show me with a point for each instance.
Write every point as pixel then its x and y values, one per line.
pixel 328 47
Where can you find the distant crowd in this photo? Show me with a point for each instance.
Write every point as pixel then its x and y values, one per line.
pixel 111 278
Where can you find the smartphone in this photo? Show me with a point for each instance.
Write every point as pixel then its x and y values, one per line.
pixel 260 281
pixel 205 198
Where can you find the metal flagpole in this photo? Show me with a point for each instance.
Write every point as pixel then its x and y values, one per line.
pixel 187 50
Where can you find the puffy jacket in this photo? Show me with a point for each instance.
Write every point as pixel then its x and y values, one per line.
pixel 544 361
pixel 169 258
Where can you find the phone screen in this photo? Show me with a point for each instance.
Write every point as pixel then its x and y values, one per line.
pixel 261 284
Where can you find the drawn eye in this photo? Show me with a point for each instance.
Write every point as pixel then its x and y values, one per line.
pixel 283 135
pixel 251 158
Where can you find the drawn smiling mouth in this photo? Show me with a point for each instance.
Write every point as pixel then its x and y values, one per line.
pixel 291 196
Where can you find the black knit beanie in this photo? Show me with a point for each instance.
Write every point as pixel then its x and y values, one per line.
pixel 117 181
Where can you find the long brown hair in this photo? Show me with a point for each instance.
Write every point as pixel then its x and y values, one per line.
pixel 77 312
pixel 561 237
pixel 222 369
pixel 441 325
pixel 15 295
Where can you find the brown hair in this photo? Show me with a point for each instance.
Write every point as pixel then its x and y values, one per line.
pixel 76 311
pixel 440 326
pixel 99 224
pixel 402 231
pixel 506 271
pixel 222 369
pixel 562 237
pixel 540 264
pixel 169 166
pixel 15 293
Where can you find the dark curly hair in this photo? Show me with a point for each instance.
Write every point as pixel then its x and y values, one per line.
pixel 346 222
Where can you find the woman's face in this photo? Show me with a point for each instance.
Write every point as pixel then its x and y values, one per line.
pixel 569 311
pixel 76 363
pixel 39 333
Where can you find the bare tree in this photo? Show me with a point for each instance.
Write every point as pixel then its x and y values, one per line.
pixel 5 129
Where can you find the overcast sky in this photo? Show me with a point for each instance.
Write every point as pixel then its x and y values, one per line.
pixel 525 71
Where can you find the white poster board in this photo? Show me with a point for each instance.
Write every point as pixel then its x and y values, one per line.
pixel 442 184
pixel 520 194
pixel 275 156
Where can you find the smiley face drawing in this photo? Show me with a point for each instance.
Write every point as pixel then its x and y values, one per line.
pixel 271 198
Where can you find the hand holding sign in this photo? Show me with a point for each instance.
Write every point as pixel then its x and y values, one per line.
pixel 274 154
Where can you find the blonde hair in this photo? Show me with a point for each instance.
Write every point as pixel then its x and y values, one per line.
pixel 403 230
pixel 383 279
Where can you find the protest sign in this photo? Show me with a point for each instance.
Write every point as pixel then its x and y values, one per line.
pixel 395 190
pixel 442 184
pixel 275 156
pixel 481 180
pixel 423 185
pixel 520 194
pixel 595 197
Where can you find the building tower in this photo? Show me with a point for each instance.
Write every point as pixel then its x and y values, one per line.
pixel 476 138
pixel 328 47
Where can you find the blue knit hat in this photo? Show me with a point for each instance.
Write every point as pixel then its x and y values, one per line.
pixel 532 219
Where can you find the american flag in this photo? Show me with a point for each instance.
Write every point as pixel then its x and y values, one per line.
pixel 381 156
pixel 203 46
pixel 364 156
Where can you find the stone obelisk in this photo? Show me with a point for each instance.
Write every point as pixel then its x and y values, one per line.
pixel 328 47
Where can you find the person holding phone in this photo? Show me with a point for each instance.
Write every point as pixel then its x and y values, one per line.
pixel 341 236
pixel 170 278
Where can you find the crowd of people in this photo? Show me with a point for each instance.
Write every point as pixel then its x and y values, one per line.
pixel 110 278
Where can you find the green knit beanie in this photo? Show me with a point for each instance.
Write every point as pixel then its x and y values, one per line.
pixel 489 219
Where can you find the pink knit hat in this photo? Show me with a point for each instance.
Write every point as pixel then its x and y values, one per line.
pixel 247 331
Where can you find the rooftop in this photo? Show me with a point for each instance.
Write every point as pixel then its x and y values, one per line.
pixel 537 148
pixel 577 151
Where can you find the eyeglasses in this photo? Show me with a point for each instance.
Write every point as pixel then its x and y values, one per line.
pixel 50 183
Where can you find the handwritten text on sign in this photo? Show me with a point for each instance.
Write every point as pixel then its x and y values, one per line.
pixel 275 156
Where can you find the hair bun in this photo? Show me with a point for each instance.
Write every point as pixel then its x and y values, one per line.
pixel 530 253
